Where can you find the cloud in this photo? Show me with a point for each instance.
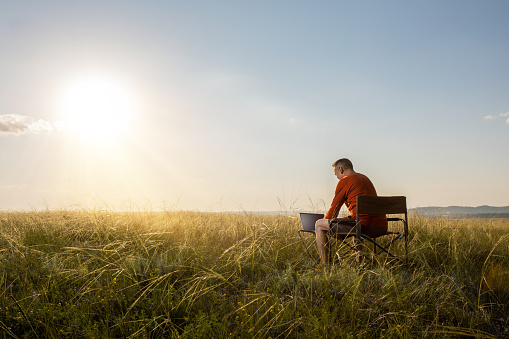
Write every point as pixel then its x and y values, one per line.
pixel 60 125
pixel 501 115
pixel 20 124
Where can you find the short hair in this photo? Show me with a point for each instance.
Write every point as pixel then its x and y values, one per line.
pixel 343 162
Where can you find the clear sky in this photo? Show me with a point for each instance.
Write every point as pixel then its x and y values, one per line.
pixel 244 105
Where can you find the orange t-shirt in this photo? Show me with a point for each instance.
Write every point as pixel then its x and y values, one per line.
pixel 347 190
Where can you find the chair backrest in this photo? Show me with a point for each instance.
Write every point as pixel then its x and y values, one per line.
pixel 381 205
pixel 385 205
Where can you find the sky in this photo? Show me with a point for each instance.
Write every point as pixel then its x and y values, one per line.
pixel 244 105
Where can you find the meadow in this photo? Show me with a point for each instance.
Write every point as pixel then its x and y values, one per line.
pixel 176 274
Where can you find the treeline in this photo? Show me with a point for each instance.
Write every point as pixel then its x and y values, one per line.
pixel 469 216
pixel 484 215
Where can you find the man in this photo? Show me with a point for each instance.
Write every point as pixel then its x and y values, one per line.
pixel 350 185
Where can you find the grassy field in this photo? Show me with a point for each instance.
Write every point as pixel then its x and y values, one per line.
pixel 92 274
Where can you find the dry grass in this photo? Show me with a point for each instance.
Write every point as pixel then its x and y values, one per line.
pixel 93 274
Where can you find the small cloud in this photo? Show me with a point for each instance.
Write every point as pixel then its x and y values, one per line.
pixel 13 124
pixel 501 115
pixel 40 126
pixel 20 124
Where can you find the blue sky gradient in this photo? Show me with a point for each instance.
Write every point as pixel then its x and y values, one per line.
pixel 245 105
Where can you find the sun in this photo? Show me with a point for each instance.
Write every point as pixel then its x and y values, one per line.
pixel 97 108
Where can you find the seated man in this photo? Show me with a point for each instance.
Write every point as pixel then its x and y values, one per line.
pixel 350 185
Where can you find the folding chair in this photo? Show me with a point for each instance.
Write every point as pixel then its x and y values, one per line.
pixel 377 205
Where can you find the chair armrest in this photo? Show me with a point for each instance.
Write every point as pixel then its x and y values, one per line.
pixel 405 224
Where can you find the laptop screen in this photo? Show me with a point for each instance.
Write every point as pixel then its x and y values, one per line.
pixel 308 220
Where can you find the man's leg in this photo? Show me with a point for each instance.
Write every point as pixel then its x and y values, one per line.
pixel 322 240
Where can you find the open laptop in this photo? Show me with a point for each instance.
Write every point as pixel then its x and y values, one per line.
pixel 308 221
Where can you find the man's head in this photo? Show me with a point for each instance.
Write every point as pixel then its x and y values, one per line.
pixel 342 167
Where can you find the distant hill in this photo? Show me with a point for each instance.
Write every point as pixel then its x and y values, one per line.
pixel 463 211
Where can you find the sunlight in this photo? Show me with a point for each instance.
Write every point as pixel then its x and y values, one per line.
pixel 97 108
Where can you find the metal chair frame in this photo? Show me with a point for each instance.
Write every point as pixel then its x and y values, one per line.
pixel 375 205
pixel 307 247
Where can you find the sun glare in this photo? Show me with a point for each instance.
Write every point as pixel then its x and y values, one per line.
pixel 97 108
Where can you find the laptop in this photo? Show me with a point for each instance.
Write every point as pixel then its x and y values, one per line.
pixel 308 220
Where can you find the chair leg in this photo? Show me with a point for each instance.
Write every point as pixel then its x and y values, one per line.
pixel 359 247
pixel 406 248
pixel 308 246
pixel 379 248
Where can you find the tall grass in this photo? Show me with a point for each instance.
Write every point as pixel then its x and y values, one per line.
pixel 93 274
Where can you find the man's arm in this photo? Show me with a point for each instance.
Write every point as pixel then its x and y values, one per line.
pixel 337 202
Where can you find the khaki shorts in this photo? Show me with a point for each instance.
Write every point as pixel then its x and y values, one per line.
pixel 346 227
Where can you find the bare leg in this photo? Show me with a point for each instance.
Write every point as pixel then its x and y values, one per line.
pixel 322 240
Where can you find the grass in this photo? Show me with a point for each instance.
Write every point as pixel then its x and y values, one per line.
pixel 93 274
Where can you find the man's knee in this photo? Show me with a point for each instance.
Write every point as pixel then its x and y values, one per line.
pixel 322 225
